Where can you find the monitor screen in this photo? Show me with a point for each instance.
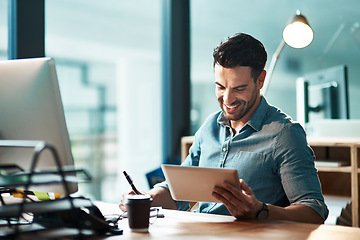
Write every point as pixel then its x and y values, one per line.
pixel 31 109
pixel 323 95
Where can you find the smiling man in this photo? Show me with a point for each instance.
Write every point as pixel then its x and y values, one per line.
pixel 269 150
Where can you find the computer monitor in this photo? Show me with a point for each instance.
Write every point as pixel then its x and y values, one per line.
pixel 31 109
pixel 323 95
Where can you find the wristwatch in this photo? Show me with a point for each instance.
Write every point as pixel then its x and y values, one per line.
pixel 263 213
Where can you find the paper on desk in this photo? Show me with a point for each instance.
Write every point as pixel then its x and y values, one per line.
pixel 108 208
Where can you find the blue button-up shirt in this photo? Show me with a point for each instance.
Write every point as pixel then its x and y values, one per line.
pixel 270 153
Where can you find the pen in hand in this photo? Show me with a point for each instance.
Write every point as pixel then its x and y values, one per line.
pixel 128 178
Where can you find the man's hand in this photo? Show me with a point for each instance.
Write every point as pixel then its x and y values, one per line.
pixel 122 205
pixel 161 198
pixel 241 203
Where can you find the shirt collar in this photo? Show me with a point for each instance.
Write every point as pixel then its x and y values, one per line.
pixel 256 119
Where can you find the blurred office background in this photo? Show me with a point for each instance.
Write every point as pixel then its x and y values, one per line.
pixel 108 59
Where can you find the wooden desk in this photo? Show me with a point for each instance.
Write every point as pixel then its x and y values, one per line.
pixel 187 225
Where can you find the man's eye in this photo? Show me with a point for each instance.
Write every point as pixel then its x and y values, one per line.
pixel 240 89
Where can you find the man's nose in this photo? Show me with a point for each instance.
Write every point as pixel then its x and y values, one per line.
pixel 228 97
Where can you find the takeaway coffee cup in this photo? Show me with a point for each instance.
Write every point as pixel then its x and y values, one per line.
pixel 138 212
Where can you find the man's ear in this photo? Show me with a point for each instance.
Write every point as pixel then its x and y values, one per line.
pixel 261 79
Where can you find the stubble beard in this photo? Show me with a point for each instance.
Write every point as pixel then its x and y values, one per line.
pixel 244 107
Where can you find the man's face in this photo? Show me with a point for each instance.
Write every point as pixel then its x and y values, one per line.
pixel 237 92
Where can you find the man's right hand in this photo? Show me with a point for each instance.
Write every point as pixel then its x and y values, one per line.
pixel 122 205
pixel 161 198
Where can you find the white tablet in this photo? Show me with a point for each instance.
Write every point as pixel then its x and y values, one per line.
pixel 196 184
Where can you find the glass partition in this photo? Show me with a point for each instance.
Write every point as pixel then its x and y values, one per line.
pixel 3 29
pixel 108 61
pixel 336 42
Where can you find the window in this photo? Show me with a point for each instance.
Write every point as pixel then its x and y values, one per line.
pixel 3 29
pixel 336 41
pixel 108 61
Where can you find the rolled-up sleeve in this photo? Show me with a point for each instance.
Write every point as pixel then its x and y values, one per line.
pixel 297 170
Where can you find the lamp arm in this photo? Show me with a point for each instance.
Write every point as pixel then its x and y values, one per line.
pixel 274 59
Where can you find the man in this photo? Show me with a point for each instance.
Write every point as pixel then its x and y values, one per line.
pixel 270 151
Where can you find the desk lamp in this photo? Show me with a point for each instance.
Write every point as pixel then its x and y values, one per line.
pixel 297 34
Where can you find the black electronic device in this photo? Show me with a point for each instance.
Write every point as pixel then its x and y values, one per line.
pixel 323 95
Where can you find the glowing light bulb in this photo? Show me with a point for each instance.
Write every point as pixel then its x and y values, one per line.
pixel 298 34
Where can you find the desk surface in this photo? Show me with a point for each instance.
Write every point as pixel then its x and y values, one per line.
pixel 187 225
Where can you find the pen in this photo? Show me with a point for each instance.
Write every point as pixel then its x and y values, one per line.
pixel 128 178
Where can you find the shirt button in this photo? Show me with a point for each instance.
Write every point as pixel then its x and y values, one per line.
pixel 224 149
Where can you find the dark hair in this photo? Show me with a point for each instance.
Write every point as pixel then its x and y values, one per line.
pixel 241 50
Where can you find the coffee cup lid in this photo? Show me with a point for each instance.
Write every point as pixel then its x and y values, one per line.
pixel 138 198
